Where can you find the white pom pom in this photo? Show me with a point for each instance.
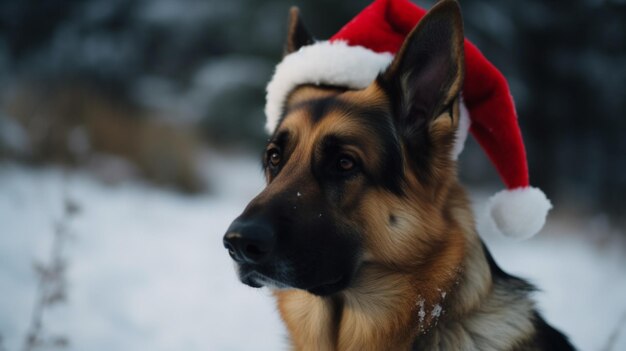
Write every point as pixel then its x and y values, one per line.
pixel 519 213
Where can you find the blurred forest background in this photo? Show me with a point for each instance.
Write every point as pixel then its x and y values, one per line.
pixel 142 88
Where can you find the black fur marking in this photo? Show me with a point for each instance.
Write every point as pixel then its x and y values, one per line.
pixel 390 173
pixel 328 152
pixel 320 108
pixel 546 337
pixel 498 273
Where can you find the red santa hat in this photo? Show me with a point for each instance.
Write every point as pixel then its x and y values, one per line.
pixel 365 46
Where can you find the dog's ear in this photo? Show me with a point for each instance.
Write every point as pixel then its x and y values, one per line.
pixel 426 76
pixel 297 34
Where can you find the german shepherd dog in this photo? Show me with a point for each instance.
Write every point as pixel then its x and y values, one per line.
pixel 363 231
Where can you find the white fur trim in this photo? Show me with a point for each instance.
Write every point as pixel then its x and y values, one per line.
pixel 331 63
pixel 335 63
pixel 518 213
pixel 461 132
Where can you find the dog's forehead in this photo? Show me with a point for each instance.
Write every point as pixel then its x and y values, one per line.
pixel 322 111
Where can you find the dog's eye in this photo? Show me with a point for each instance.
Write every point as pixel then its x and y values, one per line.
pixel 274 157
pixel 346 163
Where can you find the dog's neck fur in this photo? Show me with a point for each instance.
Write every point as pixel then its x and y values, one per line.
pixel 486 312
pixel 472 310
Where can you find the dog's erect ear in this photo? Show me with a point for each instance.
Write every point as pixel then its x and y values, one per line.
pixel 297 34
pixel 426 75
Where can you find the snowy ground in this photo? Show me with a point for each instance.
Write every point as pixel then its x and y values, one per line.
pixel 147 270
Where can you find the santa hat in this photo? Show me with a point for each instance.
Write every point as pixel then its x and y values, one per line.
pixel 365 46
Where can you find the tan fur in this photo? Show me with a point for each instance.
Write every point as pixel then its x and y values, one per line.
pixel 308 319
pixel 307 93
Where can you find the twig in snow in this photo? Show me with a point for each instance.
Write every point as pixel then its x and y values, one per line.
pixel 621 324
pixel 2 348
pixel 52 284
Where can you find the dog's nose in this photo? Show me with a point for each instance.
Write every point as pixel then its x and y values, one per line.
pixel 249 242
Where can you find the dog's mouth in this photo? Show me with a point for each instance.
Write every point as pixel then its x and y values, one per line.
pixel 257 280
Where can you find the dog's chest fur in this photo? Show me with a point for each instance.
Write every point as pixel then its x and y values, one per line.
pixel 485 310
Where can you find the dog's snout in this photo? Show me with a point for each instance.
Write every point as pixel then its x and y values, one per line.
pixel 249 242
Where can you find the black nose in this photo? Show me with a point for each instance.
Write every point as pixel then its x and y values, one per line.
pixel 249 241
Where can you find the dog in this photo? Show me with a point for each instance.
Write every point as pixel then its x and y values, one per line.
pixel 363 231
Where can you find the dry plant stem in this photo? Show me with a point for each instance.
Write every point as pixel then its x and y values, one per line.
pixel 51 287
pixel 621 324
pixel 2 348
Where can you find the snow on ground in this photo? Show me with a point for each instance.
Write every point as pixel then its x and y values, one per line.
pixel 147 270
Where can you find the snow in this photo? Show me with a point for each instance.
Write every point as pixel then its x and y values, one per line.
pixel 436 311
pixel 147 269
